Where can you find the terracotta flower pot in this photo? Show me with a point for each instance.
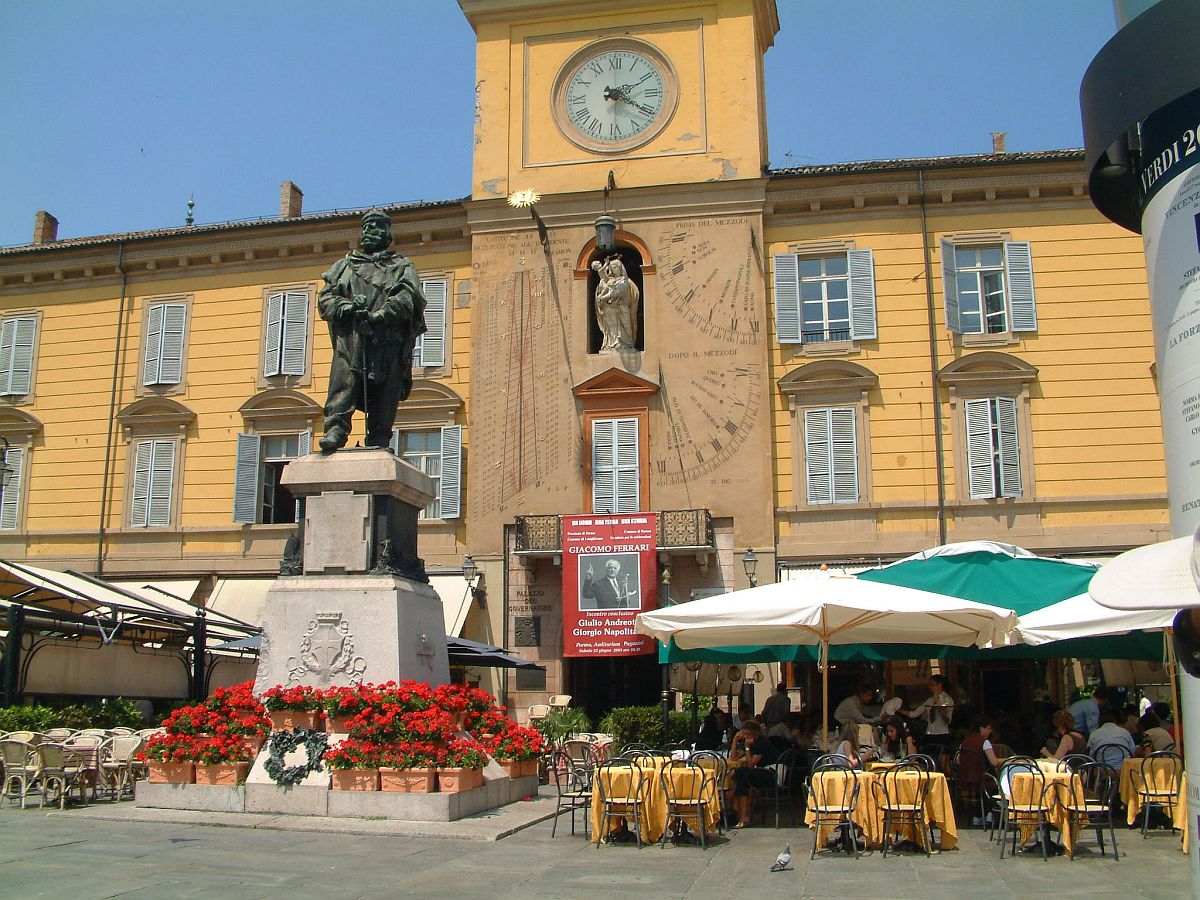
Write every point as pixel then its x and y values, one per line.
pixel 172 773
pixel 226 774
pixel 356 779
pixel 513 768
pixel 407 781
pixel 451 781
pixel 253 744
pixel 529 767
pixel 292 719
pixel 338 724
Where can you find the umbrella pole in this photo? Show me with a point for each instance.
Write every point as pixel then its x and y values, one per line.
pixel 823 662
pixel 1176 700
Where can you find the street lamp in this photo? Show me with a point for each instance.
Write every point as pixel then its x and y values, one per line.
pixel 750 564
pixel 606 233
pixel 470 570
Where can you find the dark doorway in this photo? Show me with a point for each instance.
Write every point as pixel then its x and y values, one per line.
pixel 598 685
pixel 632 261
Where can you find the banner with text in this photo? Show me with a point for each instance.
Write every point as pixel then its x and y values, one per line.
pixel 610 574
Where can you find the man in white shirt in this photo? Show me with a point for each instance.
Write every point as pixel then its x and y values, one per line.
pixel 1110 733
pixel 851 709
pixel 938 709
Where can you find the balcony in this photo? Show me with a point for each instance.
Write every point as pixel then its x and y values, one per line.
pixel 680 531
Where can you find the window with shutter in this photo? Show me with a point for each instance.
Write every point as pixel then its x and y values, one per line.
pixel 993 448
pixel 166 326
pixel 273 341
pixel 17 338
pixel 1018 266
pixel 787 298
pixel 831 455
pixel 450 486
pixel 245 479
pixel 422 449
pixel 153 483
pixel 259 495
pixel 988 288
pixel 431 346
pixel 861 264
pixel 616 472
pixel 10 502
pixel 950 287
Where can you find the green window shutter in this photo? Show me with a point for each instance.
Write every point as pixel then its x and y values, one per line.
pixel 1018 270
pixel 152 351
pixel 950 287
pixel 162 483
pixel 844 454
pixel 450 490
pixel 273 343
pixel 1010 449
pixel 628 480
pixel 787 298
pixel 432 344
pixel 981 469
pixel 604 489
pixel 818 462
pixel 294 355
pixel 861 266
pixel 246 485
pixel 10 506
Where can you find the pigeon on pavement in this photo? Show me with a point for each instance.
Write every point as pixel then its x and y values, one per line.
pixel 783 860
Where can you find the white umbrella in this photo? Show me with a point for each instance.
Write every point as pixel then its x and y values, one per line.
pixel 1083 617
pixel 833 609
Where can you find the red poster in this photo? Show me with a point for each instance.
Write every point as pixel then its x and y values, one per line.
pixel 610 574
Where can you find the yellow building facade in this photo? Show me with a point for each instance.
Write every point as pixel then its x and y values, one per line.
pixel 800 384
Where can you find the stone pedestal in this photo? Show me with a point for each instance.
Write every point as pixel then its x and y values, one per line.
pixel 359 607
pixel 347 629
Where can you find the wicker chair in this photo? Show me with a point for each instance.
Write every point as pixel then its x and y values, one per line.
pixel 117 762
pixel 56 767
pixel 20 768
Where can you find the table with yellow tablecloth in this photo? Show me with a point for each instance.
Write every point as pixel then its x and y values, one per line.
pixel 653 809
pixel 867 815
pixel 1022 786
pixel 1157 772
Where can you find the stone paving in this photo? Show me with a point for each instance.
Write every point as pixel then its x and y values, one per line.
pixel 111 854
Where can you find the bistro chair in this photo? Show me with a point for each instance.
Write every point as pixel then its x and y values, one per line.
pixel 1028 811
pixel 1111 755
pixel 583 754
pixel 573 785
pixel 924 760
pixel 900 794
pixel 685 787
pixel 1074 760
pixel 785 770
pixel 832 761
pixel 967 768
pixel 559 701
pixel 711 759
pixel 1094 808
pixel 1157 782
pixel 622 804
pixel 993 804
pixel 832 798
pixel 20 768
pixel 935 752
pixel 637 745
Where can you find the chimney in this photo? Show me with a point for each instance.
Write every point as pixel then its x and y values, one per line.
pixel 291 199
pixel 45 228
pixel 998 142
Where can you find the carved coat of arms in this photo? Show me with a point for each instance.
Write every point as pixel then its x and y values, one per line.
pixel 326 653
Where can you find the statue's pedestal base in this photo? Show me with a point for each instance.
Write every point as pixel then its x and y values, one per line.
pixel 346 629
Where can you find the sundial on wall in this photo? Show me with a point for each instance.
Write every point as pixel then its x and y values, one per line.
pixel 712 383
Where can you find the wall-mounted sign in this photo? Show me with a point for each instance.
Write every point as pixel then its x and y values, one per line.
pixel 609 576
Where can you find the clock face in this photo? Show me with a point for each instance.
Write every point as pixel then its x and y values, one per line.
pixel 614 95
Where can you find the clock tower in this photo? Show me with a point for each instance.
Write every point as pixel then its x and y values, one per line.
pixel 656 92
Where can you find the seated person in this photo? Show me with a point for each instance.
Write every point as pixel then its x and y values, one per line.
pixel 1155 738
pixel 1163 711
pixel 850 710
pixel 848 746
pixel 711 732
pixel 979 752
pixel 1110 733
pixel 897 741
pixel 760 756
pixel 801 736
pixel 1069 738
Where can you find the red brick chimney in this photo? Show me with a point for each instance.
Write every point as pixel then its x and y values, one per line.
pixel 45 228
pixel 291 200
pixel 998 142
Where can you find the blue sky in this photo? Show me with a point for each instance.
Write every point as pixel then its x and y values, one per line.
pixel 116 111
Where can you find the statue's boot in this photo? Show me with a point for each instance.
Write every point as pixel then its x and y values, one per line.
pixel 379 441
pixel 334 439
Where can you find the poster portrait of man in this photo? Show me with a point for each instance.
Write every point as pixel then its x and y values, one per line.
pixel 609 581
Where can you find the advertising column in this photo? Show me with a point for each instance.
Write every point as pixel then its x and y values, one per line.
pixel 609 576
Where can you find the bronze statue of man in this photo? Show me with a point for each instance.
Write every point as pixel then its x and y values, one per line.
pixel 373 303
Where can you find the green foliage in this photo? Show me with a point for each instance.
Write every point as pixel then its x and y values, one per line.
pixel 562 723
pixel 643 724
pixel 118 713
pixel 1083 692
pixel 703 704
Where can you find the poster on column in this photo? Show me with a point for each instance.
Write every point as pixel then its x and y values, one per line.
pixel 610 574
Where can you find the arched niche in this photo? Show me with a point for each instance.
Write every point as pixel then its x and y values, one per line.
pixel 633 254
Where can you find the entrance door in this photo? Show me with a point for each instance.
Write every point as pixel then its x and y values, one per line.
pixel 598 685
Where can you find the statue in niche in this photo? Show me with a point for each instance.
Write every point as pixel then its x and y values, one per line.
pixel 373 303
pixel 617 299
